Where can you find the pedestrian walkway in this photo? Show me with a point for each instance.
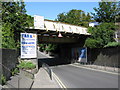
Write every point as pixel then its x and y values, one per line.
pixel 0 87
pixel 42 80
pixel 19 81
pixel 104 68
pixel 44 54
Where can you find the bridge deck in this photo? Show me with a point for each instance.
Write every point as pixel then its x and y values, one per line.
pixel 48 26
pixel 52 31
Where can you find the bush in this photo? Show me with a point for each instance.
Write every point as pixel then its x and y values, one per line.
pixel 92 43
pixel 100 35
pixel 42 47
pixel 3 79
pixel 51 47
pixel 26 65
pixel 15 71
pixel 112 44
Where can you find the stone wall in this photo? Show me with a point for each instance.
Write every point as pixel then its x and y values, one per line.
pixel 104 56
pixel 9 60
pixel 0 63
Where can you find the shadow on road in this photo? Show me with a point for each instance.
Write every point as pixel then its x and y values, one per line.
pixel 53 61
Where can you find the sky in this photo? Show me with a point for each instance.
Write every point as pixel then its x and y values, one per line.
pixel 50 10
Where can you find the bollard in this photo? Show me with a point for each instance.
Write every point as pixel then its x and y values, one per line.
pixel 96 66
pixel 105 66
pixel 90 64
pixel 114 66
pixel 18 83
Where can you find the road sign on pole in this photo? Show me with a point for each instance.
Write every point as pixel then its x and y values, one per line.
pixel 28 45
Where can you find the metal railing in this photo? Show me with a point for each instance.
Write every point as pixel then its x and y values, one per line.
pixel 47 68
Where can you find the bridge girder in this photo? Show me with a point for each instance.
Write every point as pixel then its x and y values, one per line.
pixel 52 36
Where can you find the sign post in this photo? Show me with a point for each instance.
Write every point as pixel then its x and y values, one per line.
pixel 28 45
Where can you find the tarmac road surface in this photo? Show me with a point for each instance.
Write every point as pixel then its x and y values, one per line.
pixel 75 77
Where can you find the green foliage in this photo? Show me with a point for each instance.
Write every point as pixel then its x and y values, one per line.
pixel 51 47
pixel 107 11
pixel 3 79
pixel 118 15
pixel 112 44
pixel 48 47
pixel 15 71
pixel 26 65
pixel 92 43
pixel 7 36
pixel 76 17
pixel 29 21
pixel 42 47
pixel 100 35
pixel 13 21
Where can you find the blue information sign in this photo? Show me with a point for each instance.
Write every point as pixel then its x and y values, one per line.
pixel 28 45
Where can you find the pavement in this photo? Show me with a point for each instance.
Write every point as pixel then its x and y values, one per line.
pixel 19 81
pixel 42 80
pixel 0 87
pixel 43 55
pixel 98 67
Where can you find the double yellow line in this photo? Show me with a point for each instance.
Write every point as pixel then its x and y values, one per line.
pixel 62 86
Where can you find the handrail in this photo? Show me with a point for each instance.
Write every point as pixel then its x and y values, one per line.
pixel 46 67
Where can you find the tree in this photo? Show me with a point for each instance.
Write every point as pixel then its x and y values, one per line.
pixel 14 22
pixel 7 36
pixel 51 47
pixel 118 15
pixel 106 12
pixel 100 35
pixel 76 17
pixel 29 21
pixel 0 25
pixel 42 47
